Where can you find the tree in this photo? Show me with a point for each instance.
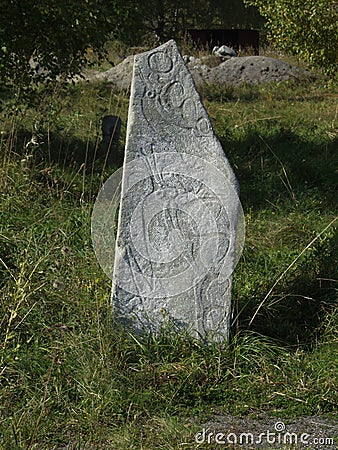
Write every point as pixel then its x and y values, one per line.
pixel 42 40
pixel 171 18
pixel 47 40
pixel 306 28
pixel 234 14
pixel 167 19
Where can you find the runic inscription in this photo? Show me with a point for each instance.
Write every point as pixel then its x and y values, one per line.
pixel 175 248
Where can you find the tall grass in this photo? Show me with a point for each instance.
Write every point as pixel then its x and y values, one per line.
pixel 70 375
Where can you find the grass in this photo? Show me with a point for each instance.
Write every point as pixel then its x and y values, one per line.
pixel 70 375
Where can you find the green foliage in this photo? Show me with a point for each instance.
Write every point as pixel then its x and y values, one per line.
pixel 234 14
pixel 42 40
pixel 307 28
pixel 171 18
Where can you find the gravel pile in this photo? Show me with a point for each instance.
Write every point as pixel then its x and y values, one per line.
pixel 246 69
pixel 212 70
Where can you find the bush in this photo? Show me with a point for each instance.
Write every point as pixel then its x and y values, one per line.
pixel 307 29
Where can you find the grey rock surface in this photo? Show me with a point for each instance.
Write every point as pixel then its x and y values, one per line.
pixel 119 76
pixel 213 69
pixel 250 69
pixel 224 50
pixel 176 247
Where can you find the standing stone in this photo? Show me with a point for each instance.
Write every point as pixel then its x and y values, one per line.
pixel 111 130
pixel 175 249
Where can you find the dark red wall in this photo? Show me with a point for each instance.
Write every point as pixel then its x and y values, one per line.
pixel 237 39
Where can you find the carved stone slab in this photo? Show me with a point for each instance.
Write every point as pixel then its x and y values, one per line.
pixel 176 247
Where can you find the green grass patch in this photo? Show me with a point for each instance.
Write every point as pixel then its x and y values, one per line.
pixel 69 374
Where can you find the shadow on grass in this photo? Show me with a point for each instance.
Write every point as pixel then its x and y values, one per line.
pixel 295 312
pixel 282 166
pixel 69 152
pixel 285 176
pixel 275 171
pixel 296 90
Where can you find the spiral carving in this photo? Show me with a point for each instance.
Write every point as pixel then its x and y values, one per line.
pixel 181 225
pixel 181 216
